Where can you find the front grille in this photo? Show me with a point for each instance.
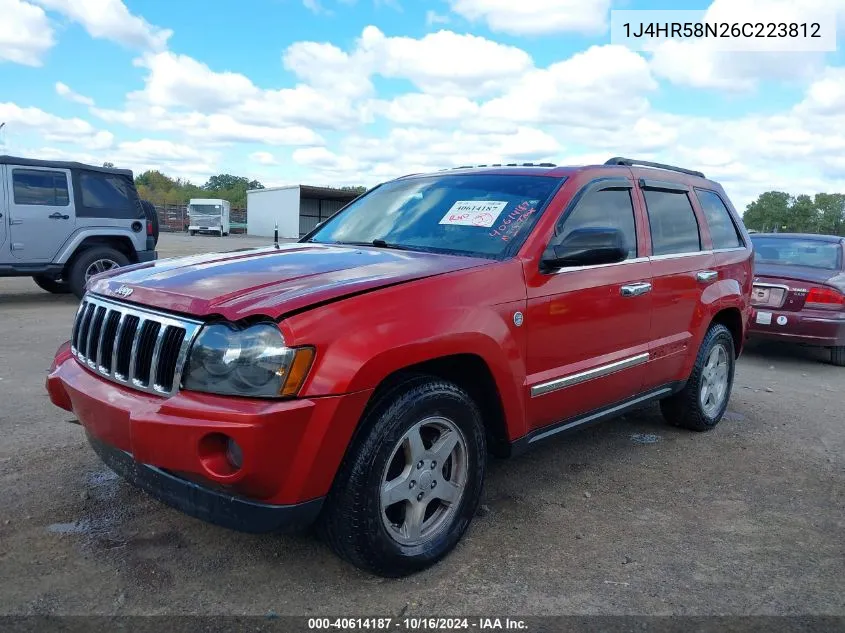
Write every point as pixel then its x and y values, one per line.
pixel 132 346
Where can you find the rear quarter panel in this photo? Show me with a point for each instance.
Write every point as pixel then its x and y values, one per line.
pixel 361 340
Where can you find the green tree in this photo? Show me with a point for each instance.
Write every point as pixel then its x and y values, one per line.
pixel 831 209
pixel 359 189
pixel 769 212
pixel 803 216
pixel 108 164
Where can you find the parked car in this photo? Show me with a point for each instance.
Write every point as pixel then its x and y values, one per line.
pixel 63 222
pixel 799 290
pixel 359 378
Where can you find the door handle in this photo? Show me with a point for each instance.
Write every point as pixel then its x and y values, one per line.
pixel 707 275
pixel 58 216
pixel 634 290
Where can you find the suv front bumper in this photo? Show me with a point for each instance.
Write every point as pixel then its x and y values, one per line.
pixel 169 447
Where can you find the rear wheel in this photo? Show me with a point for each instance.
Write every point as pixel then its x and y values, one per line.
pixel 837 355
pixel 704 399
pixel 51 285
pixel 411 482
pixel 93 261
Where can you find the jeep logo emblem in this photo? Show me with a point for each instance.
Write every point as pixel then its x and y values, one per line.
pixel 123 291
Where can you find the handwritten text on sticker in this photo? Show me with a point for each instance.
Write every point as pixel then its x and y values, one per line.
pixel 474 213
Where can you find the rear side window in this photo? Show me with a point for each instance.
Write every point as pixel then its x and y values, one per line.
pixel 606 208
pixel 674 228
pixel 40 187
pixel 104 191
pixel 722 228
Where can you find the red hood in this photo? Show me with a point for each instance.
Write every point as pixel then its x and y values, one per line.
pixel 269 281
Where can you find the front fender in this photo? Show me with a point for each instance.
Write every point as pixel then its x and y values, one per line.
pixel 362 340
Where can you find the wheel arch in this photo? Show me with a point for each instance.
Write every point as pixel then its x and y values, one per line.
pixel 470 372
pixel 121 241
pixel 731 318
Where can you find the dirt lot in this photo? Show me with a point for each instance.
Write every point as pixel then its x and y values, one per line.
pixel 630 517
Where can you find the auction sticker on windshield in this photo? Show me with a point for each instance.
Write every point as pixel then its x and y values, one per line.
pixel 474 213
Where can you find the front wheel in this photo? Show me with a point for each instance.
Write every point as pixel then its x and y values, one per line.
pixel 93 261
pixel 411 482
pixel 704 399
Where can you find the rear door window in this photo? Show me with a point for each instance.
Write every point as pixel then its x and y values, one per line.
pixel 40 187
pixel 104 191
pixel 674 227
pixel 723 231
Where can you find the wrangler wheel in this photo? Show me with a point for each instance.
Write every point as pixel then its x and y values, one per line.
pixel 411 481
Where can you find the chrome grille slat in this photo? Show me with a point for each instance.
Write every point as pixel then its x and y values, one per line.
pixel 133 355
pixel 116 347
pixel 156 354
pixel 148 357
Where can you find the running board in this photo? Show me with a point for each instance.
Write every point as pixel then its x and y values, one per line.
pixel 597 415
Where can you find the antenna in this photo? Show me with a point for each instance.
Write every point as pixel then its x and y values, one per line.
pixel 276 235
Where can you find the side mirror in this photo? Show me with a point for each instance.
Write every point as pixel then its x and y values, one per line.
pixel 587 246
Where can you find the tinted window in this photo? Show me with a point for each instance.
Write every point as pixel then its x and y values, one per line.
pixel 797 252
pixel 478 214
pixel 722 229
pixel 608 208
pixel 674 228
pixel 36 186
pixel 104 191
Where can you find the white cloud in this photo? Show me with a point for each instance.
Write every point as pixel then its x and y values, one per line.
pixel 704 63
pixel 65 91
pixel 537 17
pixel 111 20
pixel 433 17
pixel 439 63
pixel 445 62
pixel 53 128
pixel 603 87
pixel 180 80
pixel 25 33
pixel 263 158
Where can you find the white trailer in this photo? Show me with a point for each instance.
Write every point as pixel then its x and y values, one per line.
pixel 209 215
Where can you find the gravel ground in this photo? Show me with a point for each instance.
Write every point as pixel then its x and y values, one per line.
pixel 629 517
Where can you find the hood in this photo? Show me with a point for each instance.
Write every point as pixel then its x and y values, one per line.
pixel 804 274
pixel 269 281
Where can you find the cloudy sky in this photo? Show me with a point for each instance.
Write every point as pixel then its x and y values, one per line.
pixel 359 91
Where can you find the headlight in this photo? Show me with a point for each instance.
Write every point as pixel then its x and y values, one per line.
pixel 246 362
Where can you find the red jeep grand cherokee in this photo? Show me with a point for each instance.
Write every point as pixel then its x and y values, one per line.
pixel 357 379
pixel 799 290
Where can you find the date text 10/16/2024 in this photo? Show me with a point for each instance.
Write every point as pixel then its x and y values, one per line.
pixel 417 624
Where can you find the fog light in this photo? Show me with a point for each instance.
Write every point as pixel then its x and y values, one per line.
pixel 234 454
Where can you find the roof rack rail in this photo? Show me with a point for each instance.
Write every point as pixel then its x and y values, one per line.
pixel 504 165
pixel 630 162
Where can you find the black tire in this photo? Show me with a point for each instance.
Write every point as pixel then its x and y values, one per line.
pixel 152 215
pixel 685 409
pixel 51 285
pixel 192 233
pixel 82 261
pixel 837 355
pixel 352 521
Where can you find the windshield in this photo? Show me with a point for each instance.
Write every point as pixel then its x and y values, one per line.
pixel 482 215
pixel 205 209
pixel 797 252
